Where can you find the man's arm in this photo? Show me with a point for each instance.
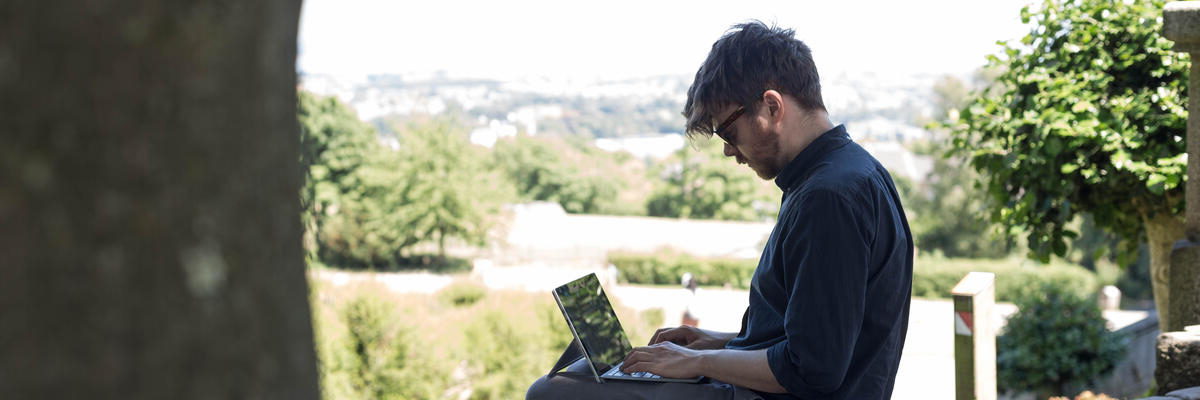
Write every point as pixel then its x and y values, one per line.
pixel 746 368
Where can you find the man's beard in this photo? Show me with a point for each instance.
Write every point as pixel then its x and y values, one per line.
pixel 763 168
pixel 764 172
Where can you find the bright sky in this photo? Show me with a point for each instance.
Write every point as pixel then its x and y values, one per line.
pixel 625 38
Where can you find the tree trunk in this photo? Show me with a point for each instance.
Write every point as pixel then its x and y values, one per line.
pixel 149 202
pixel 1162 230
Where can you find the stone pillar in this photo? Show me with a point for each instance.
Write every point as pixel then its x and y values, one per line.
pixel 1178 355
pixel 1110 298
pixel 974 337
pixel 1181 24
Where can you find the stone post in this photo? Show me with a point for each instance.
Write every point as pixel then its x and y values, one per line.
pixel 974 337
pixel 1181 23
pixel 1179 352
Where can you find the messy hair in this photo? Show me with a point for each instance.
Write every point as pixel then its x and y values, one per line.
pixel 751 58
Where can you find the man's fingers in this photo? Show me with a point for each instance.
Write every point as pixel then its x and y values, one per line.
pixel 669 336
pixel 655 338
pixel 640 360
pixel 640 366
pixel 680 335
pixel 635 357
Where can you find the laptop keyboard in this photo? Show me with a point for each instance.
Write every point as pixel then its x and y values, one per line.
pixel 616 371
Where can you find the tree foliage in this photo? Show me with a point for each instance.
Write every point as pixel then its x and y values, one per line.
pixel 449 190
pixel 1087 116
pixel 947 212
pixel 540 170
pixel 367 205
pixel 705 185
pixel 333 145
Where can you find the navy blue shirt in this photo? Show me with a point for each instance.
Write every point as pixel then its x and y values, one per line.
pixel 829 299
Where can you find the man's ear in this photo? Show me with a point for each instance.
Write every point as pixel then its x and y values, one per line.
pixel 773 102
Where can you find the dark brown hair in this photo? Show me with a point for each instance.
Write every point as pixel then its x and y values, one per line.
pixel 749 59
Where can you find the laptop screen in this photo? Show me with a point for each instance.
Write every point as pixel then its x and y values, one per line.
pixel 584 303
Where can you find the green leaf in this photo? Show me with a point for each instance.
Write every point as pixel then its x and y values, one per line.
pixel 1082 106
pixel 1155 183
pixel 1053 146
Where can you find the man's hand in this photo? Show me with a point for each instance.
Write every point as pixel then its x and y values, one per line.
pixel 747 368
pixel 664 359
pixel 692 337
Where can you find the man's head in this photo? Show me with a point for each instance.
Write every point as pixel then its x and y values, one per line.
pixel 757 83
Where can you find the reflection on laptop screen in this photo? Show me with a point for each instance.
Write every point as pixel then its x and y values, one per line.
pixel 585 304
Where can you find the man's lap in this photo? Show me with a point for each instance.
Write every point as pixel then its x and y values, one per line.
pixel 576 382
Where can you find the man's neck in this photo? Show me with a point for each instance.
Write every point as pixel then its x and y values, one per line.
pixel 811 125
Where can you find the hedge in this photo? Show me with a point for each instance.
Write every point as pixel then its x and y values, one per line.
pixel 666 267
pixel 932 277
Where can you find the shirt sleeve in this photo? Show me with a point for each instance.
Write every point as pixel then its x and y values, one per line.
pixel 825 255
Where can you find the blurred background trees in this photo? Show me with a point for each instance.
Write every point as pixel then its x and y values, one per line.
pixel 367 204
pixel 700 182
pixel 372 201
pixel 541 169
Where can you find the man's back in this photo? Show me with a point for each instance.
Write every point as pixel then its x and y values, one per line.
pixel 830 297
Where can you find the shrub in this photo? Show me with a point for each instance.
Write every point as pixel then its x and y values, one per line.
pixel 934 278
pixel 462 294
pixel 375 344
pixel 665 267
pixel 371 355
pixel 1056 338
pixel 506 355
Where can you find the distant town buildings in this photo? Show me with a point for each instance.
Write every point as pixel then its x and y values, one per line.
pixel 650 146
pixel 880 112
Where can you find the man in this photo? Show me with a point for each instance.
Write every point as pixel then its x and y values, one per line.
pixel 830 297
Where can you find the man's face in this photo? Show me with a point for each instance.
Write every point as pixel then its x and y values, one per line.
pixel 748 140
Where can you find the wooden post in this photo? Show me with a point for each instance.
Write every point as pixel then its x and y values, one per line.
pixel 974 337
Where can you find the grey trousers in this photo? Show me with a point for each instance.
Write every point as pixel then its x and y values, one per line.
pixel 576 382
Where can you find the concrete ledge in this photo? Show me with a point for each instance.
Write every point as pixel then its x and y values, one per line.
pixel 1192 393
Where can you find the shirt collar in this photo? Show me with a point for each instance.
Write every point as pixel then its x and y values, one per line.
pixel 795 171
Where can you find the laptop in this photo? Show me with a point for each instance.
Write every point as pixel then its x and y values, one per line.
pixel 599 337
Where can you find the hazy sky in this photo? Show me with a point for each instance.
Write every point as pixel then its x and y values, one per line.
pixel 621 38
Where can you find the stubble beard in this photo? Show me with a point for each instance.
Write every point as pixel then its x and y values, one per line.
pixel 764 172
pixel 763 168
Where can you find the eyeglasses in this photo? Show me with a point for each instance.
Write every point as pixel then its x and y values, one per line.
pixel 720 130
